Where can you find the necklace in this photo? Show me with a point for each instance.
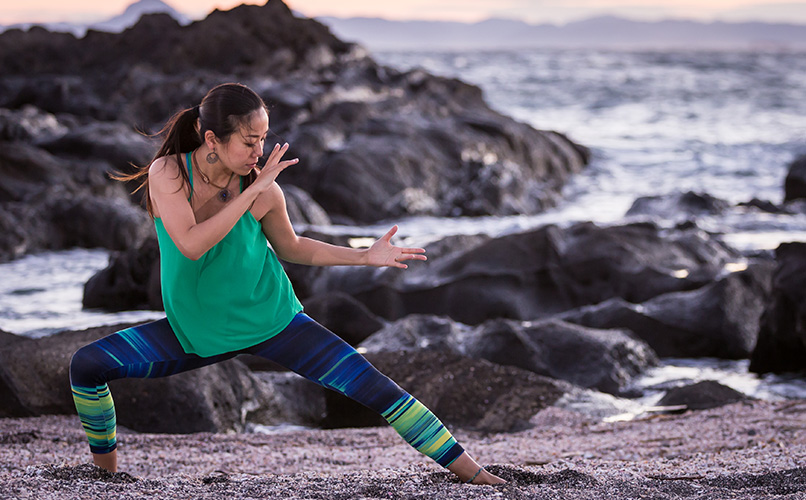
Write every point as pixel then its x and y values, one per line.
pixel 224 194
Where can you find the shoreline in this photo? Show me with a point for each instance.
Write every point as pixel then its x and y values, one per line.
pixel 750 450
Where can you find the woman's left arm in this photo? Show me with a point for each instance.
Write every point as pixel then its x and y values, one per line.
pixel 301 250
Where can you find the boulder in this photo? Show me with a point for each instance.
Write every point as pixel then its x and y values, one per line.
pixel 795 182
pixel 537 273
pixel 351 121
pixel 702 396
pixel 130 281
pixel 34 380
pixel 462 392
pixel 677 205
pixel 344 316
pixel 719 320
pixel 781 345
pixel 606 360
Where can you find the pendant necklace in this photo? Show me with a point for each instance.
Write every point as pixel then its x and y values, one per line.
pixel 224 194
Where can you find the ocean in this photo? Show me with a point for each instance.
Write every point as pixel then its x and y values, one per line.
pixel 658 122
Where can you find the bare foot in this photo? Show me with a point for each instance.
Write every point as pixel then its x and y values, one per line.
pixel 485 477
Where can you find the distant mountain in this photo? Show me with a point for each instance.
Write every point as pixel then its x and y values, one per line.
pixel 135 11
pixel 606 32
pixel 116 24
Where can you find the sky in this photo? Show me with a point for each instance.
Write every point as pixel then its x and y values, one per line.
pixel 533 11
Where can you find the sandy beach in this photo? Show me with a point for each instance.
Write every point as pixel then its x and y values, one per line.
pixel 751 450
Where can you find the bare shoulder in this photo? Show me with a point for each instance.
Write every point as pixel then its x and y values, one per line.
pixel 163 167
pixel 164 174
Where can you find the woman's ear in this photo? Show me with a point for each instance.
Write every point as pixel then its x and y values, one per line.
pixel 210 139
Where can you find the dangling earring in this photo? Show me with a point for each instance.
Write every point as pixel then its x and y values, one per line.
pixel 212 157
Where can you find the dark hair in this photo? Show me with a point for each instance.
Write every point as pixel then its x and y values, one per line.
pixel 223 110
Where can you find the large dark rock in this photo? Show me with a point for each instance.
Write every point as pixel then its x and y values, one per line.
pixel 537 273
pixel 351 121
pixel 34 380
pixel 606 360
pixel 719 320
pixel 702 396
pixel 795 182
pixel 462 392
pixel 678 205
pixel 781 343
pixel 344 316
pixel 130 281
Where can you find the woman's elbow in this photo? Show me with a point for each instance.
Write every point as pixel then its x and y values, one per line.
pixel 190 253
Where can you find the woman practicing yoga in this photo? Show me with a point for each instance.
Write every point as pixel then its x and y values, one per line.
pixel 224 290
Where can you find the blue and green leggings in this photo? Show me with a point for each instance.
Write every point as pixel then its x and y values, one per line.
pixel 309 349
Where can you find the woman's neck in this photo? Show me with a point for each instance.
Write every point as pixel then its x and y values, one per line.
pixel 216 173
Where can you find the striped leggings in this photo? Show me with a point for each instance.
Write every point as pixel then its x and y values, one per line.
pixel 152 350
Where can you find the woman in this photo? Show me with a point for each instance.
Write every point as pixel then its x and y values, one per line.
pixel 224 290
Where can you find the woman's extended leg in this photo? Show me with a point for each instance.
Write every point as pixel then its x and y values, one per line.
pixel 319 355
pixel 146 351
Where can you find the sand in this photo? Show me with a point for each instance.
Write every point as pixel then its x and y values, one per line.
pixel 751 450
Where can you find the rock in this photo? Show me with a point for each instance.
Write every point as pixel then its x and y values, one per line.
pixel 344 316
pixel 29 124
pixel 677 205
pixel 795 182
pixel 702 396
pixel 93 222
pixel 302 209
pixel 343 115
pixel 118 144
pixel 606 360
pixel 719 320
pixel 603 359
pixel 469 160
pixel 537 273
pixel 34 380
pixel 472 394
pixel 27 173
pixel 299 401
pixel 781 343
pixel 130 281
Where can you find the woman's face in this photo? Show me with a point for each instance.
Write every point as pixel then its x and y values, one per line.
pixel 241 152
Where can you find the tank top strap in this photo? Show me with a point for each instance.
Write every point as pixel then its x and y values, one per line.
pixel 190 172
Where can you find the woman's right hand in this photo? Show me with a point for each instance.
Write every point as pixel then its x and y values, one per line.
pixel 268 174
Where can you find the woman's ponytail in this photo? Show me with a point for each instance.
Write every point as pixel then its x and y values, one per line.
pixel 179 135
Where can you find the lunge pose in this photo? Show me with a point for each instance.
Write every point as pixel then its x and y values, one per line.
pixel 224 290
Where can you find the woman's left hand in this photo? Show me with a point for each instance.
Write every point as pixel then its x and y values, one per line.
pixel 383 253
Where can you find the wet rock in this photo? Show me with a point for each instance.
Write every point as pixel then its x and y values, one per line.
pixel 130 281
pixel 702 396
pixel 795 182
pixel 473 394
pixel 34 380
pixel 678 205
pixel 603 359
pixel 342 114
pixel 344 316
pixel 781 343
pixel 537 273
pixel 719 320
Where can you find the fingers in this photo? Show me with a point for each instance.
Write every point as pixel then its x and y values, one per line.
pixel 388 236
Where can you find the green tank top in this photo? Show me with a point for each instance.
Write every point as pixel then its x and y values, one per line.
pixel 235 296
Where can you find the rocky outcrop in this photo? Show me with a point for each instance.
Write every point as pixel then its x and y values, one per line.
pixel 34 380
pixel 462 392
pixel 410 143
pixel 678 205
pixel 795 182
pixel 781 343
pixel 537 273
pixel 719 320
pixel 702 396
pixel 606 360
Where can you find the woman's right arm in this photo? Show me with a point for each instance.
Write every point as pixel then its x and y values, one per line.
pixel 169 194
